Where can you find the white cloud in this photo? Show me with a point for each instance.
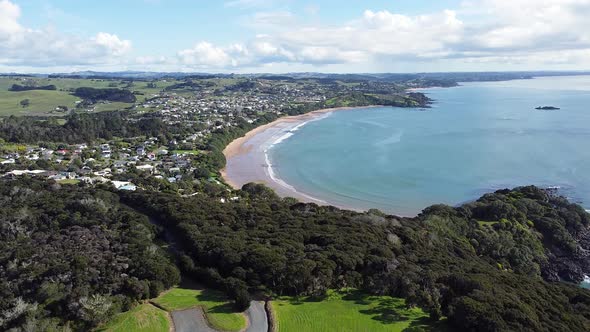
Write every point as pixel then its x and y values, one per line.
pixel 206 55
pixel 554 33
pixel 21 46
pixel 9 15
pixel 112 43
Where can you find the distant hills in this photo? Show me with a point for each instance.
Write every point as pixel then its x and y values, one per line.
pixel 388 77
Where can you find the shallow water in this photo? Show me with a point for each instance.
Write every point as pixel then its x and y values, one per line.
pixel 477 138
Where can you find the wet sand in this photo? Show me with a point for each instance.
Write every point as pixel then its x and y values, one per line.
pixel 247 161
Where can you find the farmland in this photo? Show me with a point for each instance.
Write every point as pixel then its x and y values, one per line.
pixel 45 102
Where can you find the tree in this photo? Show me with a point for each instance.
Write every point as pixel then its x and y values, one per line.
pixel 25 103
pixel 95 309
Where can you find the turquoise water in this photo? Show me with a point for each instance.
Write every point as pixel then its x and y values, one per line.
pixel 477 138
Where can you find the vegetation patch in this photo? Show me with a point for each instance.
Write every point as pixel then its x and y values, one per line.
pixel 193 152
pixel 218 310
pixel 144 318
pixel 69 181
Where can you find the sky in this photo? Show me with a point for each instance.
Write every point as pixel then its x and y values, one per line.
pixel 280 36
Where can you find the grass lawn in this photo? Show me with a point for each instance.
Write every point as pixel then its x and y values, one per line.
pixel 144 318
pixel 10 147
pixel 194 152
pixel 69 181
pixel 218 310
pixel 111 106
pixel 347 311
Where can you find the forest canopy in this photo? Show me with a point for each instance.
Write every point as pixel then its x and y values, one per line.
pixel 73 254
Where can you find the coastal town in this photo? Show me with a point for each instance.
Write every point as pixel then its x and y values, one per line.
pixel 197 108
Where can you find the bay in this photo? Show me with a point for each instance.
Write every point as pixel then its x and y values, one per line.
pixel 477 138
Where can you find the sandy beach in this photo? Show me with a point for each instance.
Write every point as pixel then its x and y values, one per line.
pixel 247 160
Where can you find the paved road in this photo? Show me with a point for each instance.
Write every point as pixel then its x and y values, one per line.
pixel 257 317
pixel 190 320
pixel 193 320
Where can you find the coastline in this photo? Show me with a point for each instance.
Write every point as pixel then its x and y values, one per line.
pixel 247 159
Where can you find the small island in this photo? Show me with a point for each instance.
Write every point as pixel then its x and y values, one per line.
pixel 547 108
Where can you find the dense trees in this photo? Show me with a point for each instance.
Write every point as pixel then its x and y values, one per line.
pixel 110 94
pixel 481 265
pixel 17 87
pixel 82 128
pixel 73 255
pixel 486 266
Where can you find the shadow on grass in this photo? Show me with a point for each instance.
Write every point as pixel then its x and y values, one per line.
pixel 225 308
pixel 208 295
pixel 393 310
pixel 425 324
pixel 299 300
pixel 388 311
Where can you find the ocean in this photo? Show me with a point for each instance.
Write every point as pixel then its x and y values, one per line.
pixel 476 138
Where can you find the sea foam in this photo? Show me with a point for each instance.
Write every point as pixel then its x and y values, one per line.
pixel 286 135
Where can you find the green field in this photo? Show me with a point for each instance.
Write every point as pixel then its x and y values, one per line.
pixel 215 304
pixel 347 311
pixel 144 318
pixel 44 102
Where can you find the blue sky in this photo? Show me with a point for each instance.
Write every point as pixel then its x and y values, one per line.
pixel 289 35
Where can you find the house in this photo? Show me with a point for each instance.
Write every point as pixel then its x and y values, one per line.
pixel 124 185
pixel 147 168
pixel 129 187
pixel 47 154
pixel 8 161
pixel 140 151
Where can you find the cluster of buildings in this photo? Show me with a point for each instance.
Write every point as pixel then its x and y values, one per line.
pixel 202 110
pixel 100 163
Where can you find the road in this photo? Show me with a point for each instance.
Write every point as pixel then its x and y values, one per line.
pixel 190 320
pixel 257 317
pixel 193 320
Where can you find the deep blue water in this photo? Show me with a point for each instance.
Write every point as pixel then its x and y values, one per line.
pixel 477 138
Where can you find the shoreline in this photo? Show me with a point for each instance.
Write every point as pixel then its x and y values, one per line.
pixel 247 160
